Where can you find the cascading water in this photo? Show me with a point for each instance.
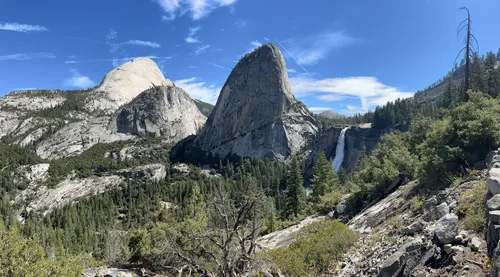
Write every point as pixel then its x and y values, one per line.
pixel 339 152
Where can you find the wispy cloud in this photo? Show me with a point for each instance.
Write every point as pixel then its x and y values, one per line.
pixel 194 30
pixel 143 43
pixel 198 9
pixel 192 40
pixel 241 23
pixel 370 91
pixel 291 70
pixel 319 109
pixel 23 28
pixel 27 56
pixel 202 49
pixel 312 49
pixel 216 65
pixel 119 60
pixel 199 90
pixel 192 66
pixel 191 36
pixel 78 80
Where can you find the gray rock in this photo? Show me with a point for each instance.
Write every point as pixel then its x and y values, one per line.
pixel 166 112
pixel 475 244
pixel 341 207
pixel 462 238
pixel 493 183
pixel 494 216
pixel 408 256
pixel 493 203
pixel 448 248
pixel 447 228
pixel 150 172
pixel 430 204
pixel 440 211
pixel 256 114
pixel 415 227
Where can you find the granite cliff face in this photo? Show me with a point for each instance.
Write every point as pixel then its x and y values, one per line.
pixel 359 140
pixel 166 112
pixel 256 114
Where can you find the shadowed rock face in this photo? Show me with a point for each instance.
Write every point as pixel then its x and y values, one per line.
pixel 166 112
pixel 256 114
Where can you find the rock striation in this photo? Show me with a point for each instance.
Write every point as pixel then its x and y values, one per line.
pixel 256 114
pixel 166 112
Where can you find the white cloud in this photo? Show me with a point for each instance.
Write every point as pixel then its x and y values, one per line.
pixel 192 40
pixel 78 80
pixel 202 49
pixel 291 70
pixel 27 56
pixel 256 43
pixel 170 17
pixel 143 43
pixel 197 8
pixel 23 28
pixel 199 90
pixel 369 90
pixel 194 30
pixel 319 109
pixel 310 50
pixel 331 97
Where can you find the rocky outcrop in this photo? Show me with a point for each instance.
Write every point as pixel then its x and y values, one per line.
pixel 40 198
pixel 493 210
pixel 166 112
pixel 124 83
pixel 256 114
pixel 359 140
pixel 76 137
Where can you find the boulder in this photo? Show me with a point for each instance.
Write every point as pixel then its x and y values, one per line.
pixel 475 244
pixel 493 203
pixel 430 204
pixel 440 211
pixel 406 259
pixel 413 228
pixel 447 228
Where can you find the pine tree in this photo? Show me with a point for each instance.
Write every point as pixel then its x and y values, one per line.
pixel 295 199
pixel 324 178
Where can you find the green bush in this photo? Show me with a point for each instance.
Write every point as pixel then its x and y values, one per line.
pixel 315 250
pixel 462 137
pixel 472 207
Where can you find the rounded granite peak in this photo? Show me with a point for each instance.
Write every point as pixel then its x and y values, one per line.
pixel 126 82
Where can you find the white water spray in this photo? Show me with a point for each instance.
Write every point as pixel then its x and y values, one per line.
pixel 339 152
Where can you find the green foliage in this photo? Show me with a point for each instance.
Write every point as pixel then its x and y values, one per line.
pixel 416 203
pixel 472 207
pixel 295 199
pixel 375 174
pixel 324 178
pixel 21 257
pixel 462 137
pixel 315 250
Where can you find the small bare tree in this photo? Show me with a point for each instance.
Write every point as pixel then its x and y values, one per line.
pixel 470 46
pixel 226 245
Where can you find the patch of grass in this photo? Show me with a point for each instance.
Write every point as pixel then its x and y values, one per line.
pixel 471 208
pixel 416 203
pixel 316 249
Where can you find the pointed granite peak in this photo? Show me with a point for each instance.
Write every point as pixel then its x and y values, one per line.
pixel 256 114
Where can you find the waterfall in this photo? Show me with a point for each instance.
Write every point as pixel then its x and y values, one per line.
pixel 339 153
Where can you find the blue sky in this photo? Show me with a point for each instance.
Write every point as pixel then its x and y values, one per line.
pixel 348 56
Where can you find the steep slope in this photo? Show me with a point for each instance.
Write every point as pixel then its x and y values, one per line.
pixel 166 112
pixel 124 83
pixel 256 114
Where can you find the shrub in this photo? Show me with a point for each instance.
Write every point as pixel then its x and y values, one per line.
pixel 317 247
pixel 416 203
pixel 472 207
